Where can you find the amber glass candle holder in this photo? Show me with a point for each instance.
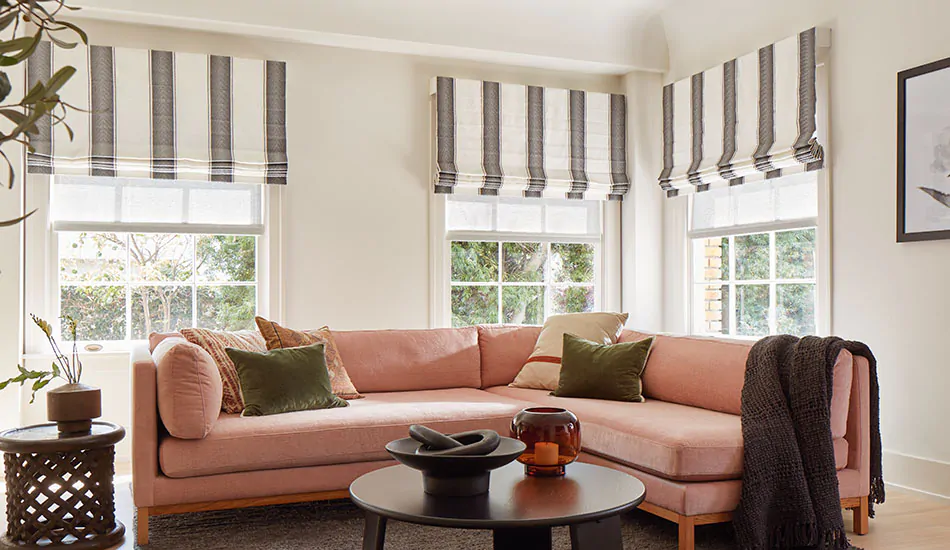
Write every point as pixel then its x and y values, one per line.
pixel 552 436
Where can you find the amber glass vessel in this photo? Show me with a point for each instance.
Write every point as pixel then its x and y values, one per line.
pixel 553 438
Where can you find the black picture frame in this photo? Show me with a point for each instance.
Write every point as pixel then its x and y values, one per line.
pixel 903 235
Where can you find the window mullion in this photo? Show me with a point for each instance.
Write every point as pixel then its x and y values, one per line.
pixel 128 284
pixel 773 303
pixel 194 278
pixel 501 268
pixel 733 315
pixel 546 275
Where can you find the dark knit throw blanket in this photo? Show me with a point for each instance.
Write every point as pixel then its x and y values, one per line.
pixel 789 482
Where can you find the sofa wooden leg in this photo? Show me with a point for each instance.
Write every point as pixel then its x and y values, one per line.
pixel 141 530
pixel 687 534
pixel 860 517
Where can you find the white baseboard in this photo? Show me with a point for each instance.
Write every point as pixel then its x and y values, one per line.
pixel 921 475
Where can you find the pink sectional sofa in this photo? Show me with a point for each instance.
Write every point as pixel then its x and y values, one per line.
pixel 684 442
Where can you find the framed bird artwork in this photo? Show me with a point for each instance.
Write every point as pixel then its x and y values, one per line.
pixel 923 152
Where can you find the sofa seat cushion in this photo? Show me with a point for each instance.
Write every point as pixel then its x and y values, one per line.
pixel 669 440
pixel 709 372
pixel 357 433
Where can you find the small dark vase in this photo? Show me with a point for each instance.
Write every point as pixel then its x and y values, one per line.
pixel 552 436
pixel 72 407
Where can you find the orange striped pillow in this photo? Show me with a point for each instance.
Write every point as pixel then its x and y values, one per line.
pixel 278 337
pixel 214 342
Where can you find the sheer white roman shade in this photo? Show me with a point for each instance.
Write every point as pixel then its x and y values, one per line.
pixel 163 115
pixel 751 118
pixel 155 206
pixel 509 139
pixel 791 200
pixel 549 219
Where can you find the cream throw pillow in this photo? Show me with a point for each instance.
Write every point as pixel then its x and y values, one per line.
pixel 543 368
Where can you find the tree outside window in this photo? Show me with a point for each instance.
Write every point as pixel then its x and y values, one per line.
pixel 123 286
pixel 756 284
pixel 520 282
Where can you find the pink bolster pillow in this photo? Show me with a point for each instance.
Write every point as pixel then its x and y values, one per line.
pixel 189 388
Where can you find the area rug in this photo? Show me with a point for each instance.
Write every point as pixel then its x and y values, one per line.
pixel 339 526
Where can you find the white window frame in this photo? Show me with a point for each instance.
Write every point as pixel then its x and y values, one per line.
pixel 607 275
pixel 824 314
pixel 822 225
pixel 41 264
pixel 772 281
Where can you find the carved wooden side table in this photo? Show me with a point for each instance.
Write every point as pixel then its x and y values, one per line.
pixel 60 488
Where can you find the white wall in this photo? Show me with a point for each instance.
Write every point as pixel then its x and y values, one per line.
pixel 617 36
pixel 10 245
pixel 355 253
pixel 642 248
pixel 892 296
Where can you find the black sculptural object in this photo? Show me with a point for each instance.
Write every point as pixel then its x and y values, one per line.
pixel 473 443
pixel 458 464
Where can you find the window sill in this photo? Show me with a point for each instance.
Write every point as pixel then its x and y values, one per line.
pixel 82 354
pixel 726 336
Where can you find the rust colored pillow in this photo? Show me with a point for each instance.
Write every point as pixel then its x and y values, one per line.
pixel 278 337
pixel 215 342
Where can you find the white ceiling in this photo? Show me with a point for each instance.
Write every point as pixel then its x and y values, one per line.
pixel 602 36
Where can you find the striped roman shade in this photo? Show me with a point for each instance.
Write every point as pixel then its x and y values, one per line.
pixel 164 115
pixel 753 117
pixel 508 139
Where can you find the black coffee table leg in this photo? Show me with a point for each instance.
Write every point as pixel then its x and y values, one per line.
pixel 529 538
pixel 374 533
pixel 597 535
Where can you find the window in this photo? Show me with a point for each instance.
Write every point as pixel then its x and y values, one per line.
pixel 516 261
pixel 754 259
pixel 122 286
pixel 135 256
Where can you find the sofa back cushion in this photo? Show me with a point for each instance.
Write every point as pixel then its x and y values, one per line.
pixel 709 373
pixel 702 372
pixel 189 388
pixel 504 350
pixel 408 360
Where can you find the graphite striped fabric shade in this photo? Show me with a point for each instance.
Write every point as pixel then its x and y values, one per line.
pixel 753 117
pixel 164 115
pixel 508 139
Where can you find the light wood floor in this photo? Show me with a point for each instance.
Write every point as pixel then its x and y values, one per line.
pixel 906 521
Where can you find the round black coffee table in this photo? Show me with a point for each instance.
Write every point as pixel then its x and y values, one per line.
pixel 520 510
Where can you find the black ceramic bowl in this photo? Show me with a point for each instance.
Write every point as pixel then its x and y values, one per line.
pixel 455 475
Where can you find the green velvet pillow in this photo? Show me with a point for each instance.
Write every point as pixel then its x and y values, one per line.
pixel 600 371
pixel 284 380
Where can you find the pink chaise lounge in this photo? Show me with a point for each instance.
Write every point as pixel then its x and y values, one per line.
pixel 684 442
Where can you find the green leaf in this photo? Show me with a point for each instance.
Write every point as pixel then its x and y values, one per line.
pixel 35 94
pixel 11 176
pixel 14 115
pixel 5 86
pixel 56 370
pixel 7 61
pixel 37 386
pixel 69 130
pixel 14 221
pixel 17 44
pixel 8 19
pixel 28 51
pixel 59 79
pixel 82 34
pixel 40 384
pixel 62 43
